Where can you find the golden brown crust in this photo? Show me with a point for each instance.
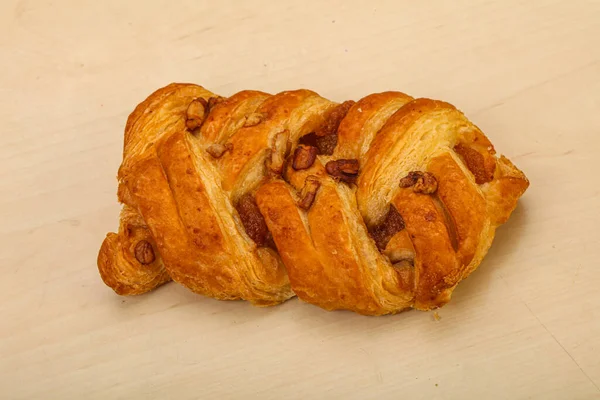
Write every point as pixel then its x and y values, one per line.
pixel 117 262
pixel 364 120
pixel 295 112
pixel 227 117
pixel 199 249
pixel 337 243
pixel 285 223
pixel 465 205
pixel 436 265
pixel 163 112
pixel 502 193
pixel 191 230
pixel 381 169
pixel 342 282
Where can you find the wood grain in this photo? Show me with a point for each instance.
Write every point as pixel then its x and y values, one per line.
pixel 526 324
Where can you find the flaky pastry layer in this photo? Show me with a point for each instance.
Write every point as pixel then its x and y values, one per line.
pixel 374 206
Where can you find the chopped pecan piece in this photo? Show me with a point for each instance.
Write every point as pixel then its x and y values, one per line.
pixel 195 114
pixel 278 152
pixel 218 149
pixel 309 192
pixel 252 219
pixel 304 157
pixel 345 170
pixel 421 182
pixel 392 224
pixel 254 119
pixel 213 101
pixel 334 118
pixel 144 252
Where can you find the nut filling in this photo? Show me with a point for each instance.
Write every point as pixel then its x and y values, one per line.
pixel 195 114
pixel 309 192
pixel 476 163
pixel 345 170
pixel 392 224
pixel 421 182
pixel 254 119
pixel 279 151
pixel 324 144
pixel 144 252
pixel 253 221
pixel 324 138
pixel 213 101
pixel 334 118
pixel 217 150
pixel 304 157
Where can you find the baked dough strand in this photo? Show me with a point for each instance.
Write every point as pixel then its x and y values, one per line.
pixel 374 206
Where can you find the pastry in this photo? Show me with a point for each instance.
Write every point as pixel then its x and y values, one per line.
pixel 374 206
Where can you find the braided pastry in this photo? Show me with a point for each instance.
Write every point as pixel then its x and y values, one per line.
pixel 373 206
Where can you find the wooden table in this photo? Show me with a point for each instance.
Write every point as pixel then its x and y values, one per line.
pixel 525 325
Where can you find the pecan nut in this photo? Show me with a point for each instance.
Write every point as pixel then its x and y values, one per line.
pixel 309 192
pixel 213 101
pixel 421 182
pixel 304 157
pixel 195 113
pixel 345 170
pixel 279 152
pixel 218 149
pixel 254 119
pixel 144 252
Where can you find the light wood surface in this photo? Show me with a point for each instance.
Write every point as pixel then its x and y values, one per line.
pixel 525 325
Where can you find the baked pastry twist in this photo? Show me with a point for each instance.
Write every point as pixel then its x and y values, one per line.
pixel 373 206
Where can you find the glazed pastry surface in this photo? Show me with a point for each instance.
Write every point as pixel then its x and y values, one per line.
pixel 374 206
